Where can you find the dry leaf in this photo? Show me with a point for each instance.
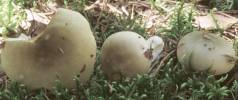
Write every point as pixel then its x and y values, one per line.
pixel 223 20
pixel 36 28
pixel 35 22
pixel 39 17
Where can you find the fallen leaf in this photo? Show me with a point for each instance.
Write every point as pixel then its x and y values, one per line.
pixel 35 22
pixel 208 22
pixel 36 28
pixel 39 17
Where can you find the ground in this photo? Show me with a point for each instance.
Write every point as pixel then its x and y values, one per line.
pixel 168 19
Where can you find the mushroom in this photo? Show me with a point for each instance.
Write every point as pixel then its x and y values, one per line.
pixel 206 51
pixel 66 48
pixel 2 42
pixel 127 54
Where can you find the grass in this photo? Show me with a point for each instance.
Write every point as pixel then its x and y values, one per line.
pixel 172 82
pixel 8 18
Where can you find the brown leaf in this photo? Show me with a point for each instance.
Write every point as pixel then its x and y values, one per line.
pixel 35 22
pixel 39 17
pixel 223 20
pixel 36 28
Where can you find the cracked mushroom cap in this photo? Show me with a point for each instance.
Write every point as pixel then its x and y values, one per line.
pixel 206 51
pixel 66 48
pixel 127 54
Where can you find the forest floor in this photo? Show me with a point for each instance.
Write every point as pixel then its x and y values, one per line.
pixel 168 19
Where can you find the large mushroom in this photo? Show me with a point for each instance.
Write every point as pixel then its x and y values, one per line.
pixel 127 54
pixel 66 48
pixel 206 51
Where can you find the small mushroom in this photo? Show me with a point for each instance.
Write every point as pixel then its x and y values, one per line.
pixel 206 51
pixel 63 50
pixel 127 54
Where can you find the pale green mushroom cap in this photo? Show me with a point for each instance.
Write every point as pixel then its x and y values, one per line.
pixel 65 49
pixel 126 54
pixel 206 51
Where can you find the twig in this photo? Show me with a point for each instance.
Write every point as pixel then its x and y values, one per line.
pixel 94 5
pixel 45 95
pixel 6 83
pixel 236 31
pixel 230 12
pixel 230 34
pixel 216 22
pixel 114 9
pixel 161 63
pixel 132 11
pixel 99 17
pixel 233 78
pixel 233 96
pixel 123 8
pixel 167 17
pixel 144 4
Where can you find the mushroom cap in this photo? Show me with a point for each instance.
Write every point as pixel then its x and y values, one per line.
pixel 125 54
pixel 206 51
pixel 66 48
pixel 156 43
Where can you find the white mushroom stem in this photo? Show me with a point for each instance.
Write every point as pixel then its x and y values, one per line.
pixel 155 44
